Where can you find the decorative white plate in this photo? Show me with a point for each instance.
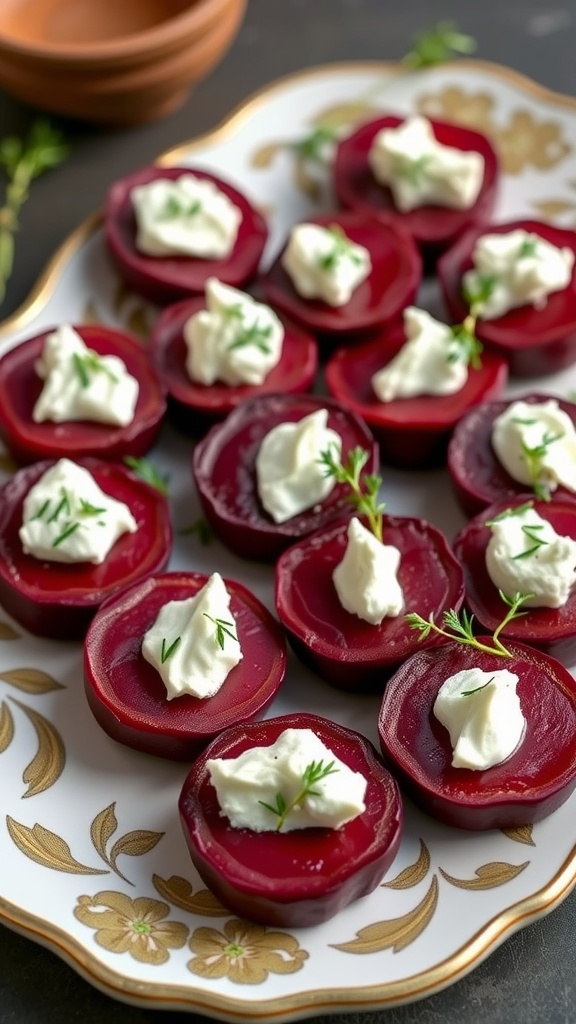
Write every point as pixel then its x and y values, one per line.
pixel 94 864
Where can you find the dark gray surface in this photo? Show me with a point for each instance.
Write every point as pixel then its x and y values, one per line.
pixel 531 978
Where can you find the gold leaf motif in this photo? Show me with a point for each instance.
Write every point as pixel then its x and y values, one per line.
pixel 177 890
pixel 91 315
pixel 304 182
pixel 47 765
pixel 46 848
pixel 6 727
pixel 343 114
pixel 8 632
pixel 264 156
pixel 398 932
pixel 523 834
pixel 102 828
pixel 134 844
pixel 488 876
pixel 30 680
pixel 414 873
pixel 138 323
pixel 551 208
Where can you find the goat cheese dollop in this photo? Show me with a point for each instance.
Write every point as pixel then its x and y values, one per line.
pixel 431 361
pixel 536 444
pixel 482 713
pixel 185 216
pixel 525 555
pixel 323 263
pixel 366 579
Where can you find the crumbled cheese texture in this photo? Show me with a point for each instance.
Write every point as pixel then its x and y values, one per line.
pixel 234 340
pixel 79 384
pixel 68 518
pixel 419 170
pixel 193 644
pixel 366 579
pixel 258 776
pixel 185 216
pixel 515 268
pixel 525 555
pixel 482 713
pixel 536 443
pixel 431 361
pixel 323 263
pixel 290 477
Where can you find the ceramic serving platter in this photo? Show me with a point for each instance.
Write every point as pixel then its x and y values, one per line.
pixel 94 863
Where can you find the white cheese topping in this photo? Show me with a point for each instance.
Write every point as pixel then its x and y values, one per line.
pixel 187 216
pixel 431 362
pixel 536 443
pixel 79 384
pixel 262 774
pixel 290 477
pixel 419 170
pixel 366 579
pixel 193 644
pixel 525 555
pixel 482 713
pixel 68 518
pixel 323 263
pixel 235 339
pixel 515 268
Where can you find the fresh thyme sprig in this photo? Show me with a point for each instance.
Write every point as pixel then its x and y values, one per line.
pixel 89 363
pixel 477 689
pixel 148 472
pixel 222 630
pixel 484 286
pixel 169 649
pixel 364 490
pixel 23 160
pixel 537 542
pixel 257 334
pixel 313 773
pixel 459 627
pixel 465 346
pixel 534 456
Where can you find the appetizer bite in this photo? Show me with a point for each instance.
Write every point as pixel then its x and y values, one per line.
pixel 342 274
pixel 528 547
pixel 413 382
pixel 291 819
pixel 258 474
pixel 176 658
pixel 168 229
pixel 481 735
pixel 341 592
pixel 518 280
pixel 214 352
pixel 72 534
pixel 502 449
pixel 77 391
pixel 439 179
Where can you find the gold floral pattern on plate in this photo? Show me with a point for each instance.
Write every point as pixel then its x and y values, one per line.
pixel 47 765
pixel 179 891
pixel 243 952
pixel 138 927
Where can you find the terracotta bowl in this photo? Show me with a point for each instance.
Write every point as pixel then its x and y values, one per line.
pixel 112 61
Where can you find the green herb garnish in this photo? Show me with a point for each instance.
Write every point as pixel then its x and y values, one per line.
pixel 62 506
pixel 67 532
pixel 465 346
pixel 437 45
pixel 364 490
pixel 534 456
pixel 199 527
pixel 459 627
pixel 527 248
pixel 342 248
pixel 312 147
pixel 175 208
pixel 148 472
pixel 414 170
pixel 469 693
pixel 167 651
pixel 313 773
pixel 256 335
pixel 89 363
pixel 509 512
pixel 88 509
pixel 484 286
pixel 537 542
pixel 222 630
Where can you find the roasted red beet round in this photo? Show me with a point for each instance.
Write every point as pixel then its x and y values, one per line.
pixel 127 695
pixel 550 629
pixel 347 651
pixel 535 342
pixel 477 475
pixel 165 279
pixel 56 599
pixel 194 406
pixel 537 777
pixel 223 468
pixel 410 431
pixel 433 227
pixel 266 876
pixel 20 387
pixel 391 285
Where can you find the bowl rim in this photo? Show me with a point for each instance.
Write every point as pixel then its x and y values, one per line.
pixel 197 18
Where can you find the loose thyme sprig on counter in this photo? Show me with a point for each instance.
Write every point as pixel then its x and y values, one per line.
pixel 313 773
pixel 461 625
pixel 364 491
pixel 23 160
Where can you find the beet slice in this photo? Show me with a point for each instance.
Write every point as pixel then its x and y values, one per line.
pixel 433 228
pixel 164 279
pixel 58 600
pixel 534 781
pixel 535 342
pixel 390 287
pixel 348 652
pixel 224 471
pixel 20 387
pixel 477 476
pixel 194 407
pixel 550 629
pixel 126 694
pixel 411 432
pixel 267 876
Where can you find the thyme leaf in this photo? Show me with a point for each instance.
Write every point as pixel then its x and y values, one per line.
pixel 342 248
pixel 68 530
pixel 167 651
pixel 460 626
pixel 534 456
pixel 313 773
pixel 469 693
pixel 466 348
pixel 437 45
pixel 222 630
pixel 148 472
pixel 364 491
